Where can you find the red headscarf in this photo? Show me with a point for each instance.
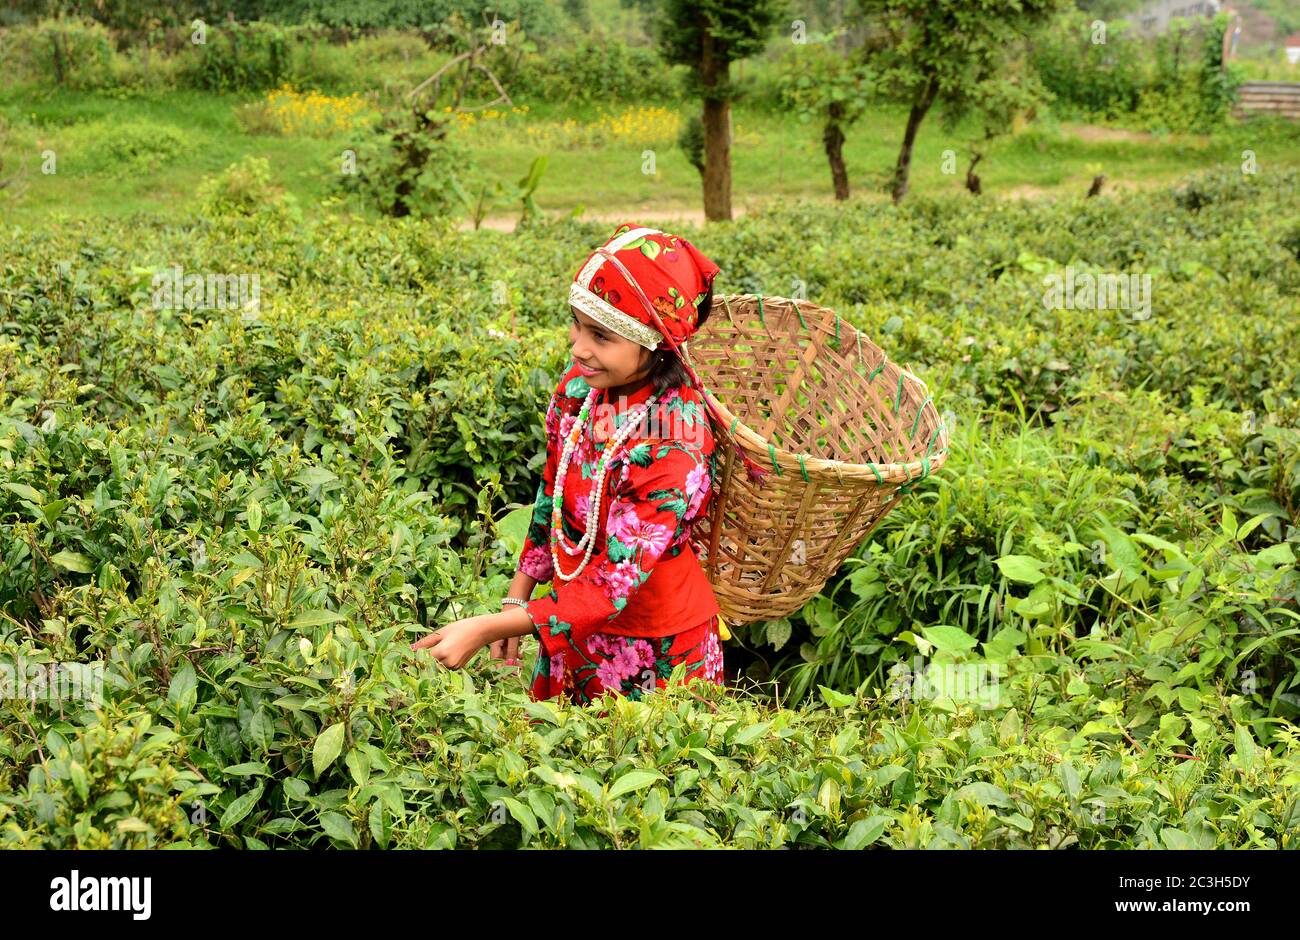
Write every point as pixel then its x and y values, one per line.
pixel 646 286
pixel 647 276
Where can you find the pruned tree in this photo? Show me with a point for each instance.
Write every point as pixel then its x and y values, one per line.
pixel 707 36
pixel 944 52
pixel 995 100
pixel 824 85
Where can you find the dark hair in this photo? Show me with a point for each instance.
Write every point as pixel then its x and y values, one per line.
pixel 667 370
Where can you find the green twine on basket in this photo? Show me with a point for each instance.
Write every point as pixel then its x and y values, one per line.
pixel 925 472
pixel 898 399
pixel 771 452
pixel 876 371
pixel 918 416
pixel 837 332
pixel 801 319
pixel 933 437
pixel 761 319
pixel 803 467
pixel 879 478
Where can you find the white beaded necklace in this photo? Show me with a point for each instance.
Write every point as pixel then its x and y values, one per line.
pixel 588 540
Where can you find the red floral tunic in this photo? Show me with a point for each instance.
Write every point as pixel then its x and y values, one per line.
pixel 643 603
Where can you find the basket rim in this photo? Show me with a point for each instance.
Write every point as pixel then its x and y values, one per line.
pixel 886 473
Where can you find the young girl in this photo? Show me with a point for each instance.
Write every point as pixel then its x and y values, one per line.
pixel 629 471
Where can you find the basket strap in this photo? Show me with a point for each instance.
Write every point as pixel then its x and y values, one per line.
pixel 756 473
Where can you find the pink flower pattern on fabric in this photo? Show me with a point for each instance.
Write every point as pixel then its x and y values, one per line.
pixel 537 563
pixel 697 490
pixel 625 660
pixel 712 657
pixel 618 580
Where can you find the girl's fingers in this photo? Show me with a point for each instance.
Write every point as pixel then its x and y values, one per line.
pixel 497 648
pixel 512 648
pixel 426 642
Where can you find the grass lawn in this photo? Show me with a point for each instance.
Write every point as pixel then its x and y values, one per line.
pixel 181 136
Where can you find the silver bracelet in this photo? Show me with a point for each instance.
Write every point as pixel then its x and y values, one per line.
pixel 515 600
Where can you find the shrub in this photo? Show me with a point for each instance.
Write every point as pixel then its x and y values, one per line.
pixel 123 149
pixel 411 164
pixel 596 70
pixel 72 53
pixel 244 189
pixel 240 57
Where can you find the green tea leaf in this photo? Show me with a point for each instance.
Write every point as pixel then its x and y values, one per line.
pixel 79 782
pixel 985 794
pixel 1023 568
pixel 26 492
pixel 329 744
pixel 249 769
pixel 864 832
pixel 634 780
pixel 835 699
pixel 338 827
pixel 949 639
pixel 73 561
pixel 358 766
pixel 241 806
pixel 183 691
pixel 314 618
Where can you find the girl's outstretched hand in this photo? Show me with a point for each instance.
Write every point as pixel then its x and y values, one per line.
pixel 455 644
pixel 507 649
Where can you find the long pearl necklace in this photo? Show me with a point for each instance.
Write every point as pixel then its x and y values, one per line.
pixel 632 422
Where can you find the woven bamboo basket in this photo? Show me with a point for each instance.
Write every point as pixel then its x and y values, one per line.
pixel 846 433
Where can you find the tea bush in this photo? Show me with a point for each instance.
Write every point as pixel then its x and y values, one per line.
pixel 245 512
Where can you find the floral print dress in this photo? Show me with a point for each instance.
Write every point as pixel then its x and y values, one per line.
pixel 643 603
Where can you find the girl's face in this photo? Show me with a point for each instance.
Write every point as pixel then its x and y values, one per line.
pixel 623 364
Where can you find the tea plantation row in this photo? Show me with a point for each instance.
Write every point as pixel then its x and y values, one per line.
pixel 246 514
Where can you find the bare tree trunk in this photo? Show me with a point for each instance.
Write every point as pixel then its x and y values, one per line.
pixel 833 141
pixel 717 137
pixel 972 178
pixel 914 119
